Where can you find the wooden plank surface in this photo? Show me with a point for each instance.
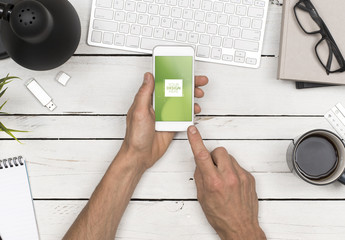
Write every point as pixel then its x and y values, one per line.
pixel 103 85
pixel 73 168
pixel 290 220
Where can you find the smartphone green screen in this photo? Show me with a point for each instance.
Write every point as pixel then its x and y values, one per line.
pixel 173 88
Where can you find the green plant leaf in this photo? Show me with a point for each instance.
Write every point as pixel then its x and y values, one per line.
pixel 2 105
pixel 8 131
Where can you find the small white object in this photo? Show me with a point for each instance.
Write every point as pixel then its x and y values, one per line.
pixel 62 78
pixel 336 117
pixel 40 94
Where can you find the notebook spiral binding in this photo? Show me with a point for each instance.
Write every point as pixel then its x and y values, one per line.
pixel 11 162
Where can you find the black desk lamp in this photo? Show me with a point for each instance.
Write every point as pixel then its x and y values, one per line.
pixel 39 34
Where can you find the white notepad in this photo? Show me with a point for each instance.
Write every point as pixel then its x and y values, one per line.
pixel 17 215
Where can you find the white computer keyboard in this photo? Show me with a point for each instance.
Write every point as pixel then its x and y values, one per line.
pixel 221 31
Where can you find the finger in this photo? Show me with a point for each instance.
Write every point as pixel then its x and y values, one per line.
pixel 198 93
pixel 144 95
pixel 222 159
pixel 200 81
pixel 197 108
pixel 202 157
pixel 236 165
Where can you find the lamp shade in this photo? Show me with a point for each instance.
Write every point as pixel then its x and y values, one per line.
pixel 40 34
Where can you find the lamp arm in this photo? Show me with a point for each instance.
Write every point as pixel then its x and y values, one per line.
pixel 5 11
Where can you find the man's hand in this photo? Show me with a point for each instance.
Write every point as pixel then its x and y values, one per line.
pixel 142 143
pixel 226 192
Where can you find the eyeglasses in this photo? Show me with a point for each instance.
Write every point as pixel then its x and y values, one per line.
pixel 326 49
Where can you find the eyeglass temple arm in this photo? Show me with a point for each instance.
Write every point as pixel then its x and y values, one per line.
pixel 5 11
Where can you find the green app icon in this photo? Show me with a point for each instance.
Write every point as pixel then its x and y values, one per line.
pixel 173 88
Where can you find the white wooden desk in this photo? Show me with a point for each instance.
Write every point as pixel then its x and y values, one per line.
pixel 248 111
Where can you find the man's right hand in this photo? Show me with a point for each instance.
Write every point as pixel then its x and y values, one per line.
pixel 226 192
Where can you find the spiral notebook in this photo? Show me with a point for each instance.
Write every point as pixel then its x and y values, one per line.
pixel 17 215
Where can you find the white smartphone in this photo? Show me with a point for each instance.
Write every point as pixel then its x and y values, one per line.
pixel 173 98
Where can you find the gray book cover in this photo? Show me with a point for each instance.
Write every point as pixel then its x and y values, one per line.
pixel 297 58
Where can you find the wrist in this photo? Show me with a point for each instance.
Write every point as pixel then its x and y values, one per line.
pixel 246 233
pixel 132 160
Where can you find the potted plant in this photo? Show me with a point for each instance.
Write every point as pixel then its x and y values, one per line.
pixel 3 82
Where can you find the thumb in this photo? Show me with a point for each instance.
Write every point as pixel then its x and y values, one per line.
pixel 144 95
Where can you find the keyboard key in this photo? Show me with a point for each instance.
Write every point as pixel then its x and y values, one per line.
pixel 181 36
pixel 212 28
pixel 165 10
pixel 222 19
pixel 228 42
pixel 240 54
pixel 218 6
pixel 223 30
pixel 166 22
pixel 251 61
pixel 132 41
pixel 149 1
pixel 259 3
pixel 203 51
pixel 206 5
pixel 177 24
pixel 255 12
pixel 199 16
pixel 108 38
pixel 118 4
pixel 195 4
pixel 104 3
pixel 120 16
pixel 236 1
pixel 235 32
pixel 130 6
pixel 131 17
pixel 141 7
pixel 241 10
pixel 104 13
pixel 171 2
pixel 245 22
pixel 147 31
pixel 170 34
pixel 149 43
pixel 228 58
pixel 216 53
pixel 119 39
pixel 193 37
pixel 216 41
pixel 200 27
pixel 205 39
pixel 247 2
pixel 160 1
pixel 246 45
pixel 230 8
pixel 234 20
pixel 158 33
pixel 257 23
pixel 210 17
pixel 239 59
pixel 154 21
pixel 183 3
pixel 176 12
pixel 143 19
pixel 96 36
pixel 105 25
pixel 251 34
pixel 189 26
pixel 124 28
pixel 187 14
pixel 153 9
pixel 135 29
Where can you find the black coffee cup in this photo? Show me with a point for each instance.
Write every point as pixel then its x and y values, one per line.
pixel 318 157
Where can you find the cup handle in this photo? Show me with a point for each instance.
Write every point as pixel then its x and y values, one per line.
pixel 342 178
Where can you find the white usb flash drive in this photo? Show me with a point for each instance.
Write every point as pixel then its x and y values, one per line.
pixel 40 94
